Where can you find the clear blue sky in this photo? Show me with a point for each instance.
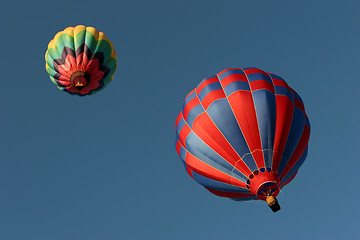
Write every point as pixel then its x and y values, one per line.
pixel 105 166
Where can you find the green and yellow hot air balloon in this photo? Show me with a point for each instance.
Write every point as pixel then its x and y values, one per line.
pixel 80 60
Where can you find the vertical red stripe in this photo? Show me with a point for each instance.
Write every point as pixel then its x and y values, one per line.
pixel 243 107
pixel 300 148
pixel 205 128
pixel 284 114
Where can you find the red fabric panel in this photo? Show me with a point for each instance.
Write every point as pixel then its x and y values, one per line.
pixel 178 147
pixel 178 120
pixel 189 172
pixel 190 105
pixel 298 151
pixel 208 171
pixel 183 134
pixel 205 128
pixel 281 83
pixel 253 70
pixel 261 84
pixel 284 114
pixel 243 107
pixel 190 93
pixel 212 96
pixel 233 78
pixel 205 83
pixel 300 105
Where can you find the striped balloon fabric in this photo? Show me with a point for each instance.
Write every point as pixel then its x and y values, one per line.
pixel 243 134
pixel 80 60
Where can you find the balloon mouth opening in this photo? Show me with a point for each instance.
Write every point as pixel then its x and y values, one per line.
pixel 268 188
pixel 79 79
pixel 263 182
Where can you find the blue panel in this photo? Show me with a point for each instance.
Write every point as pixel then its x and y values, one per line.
pixel 296 166
pixel 298 97
pixel 259 76
pixel 205 80
pixel 216 185
pixel 273 76
pixel 176 138
pixel 296 130
pixel 199 149
pixel 183 153
pixel 230 72
pixel 236 86
pixel 189 98
pixel 196 111
pixel 180 125
pixel 221 114
pixel 265 107
pixel 212 76
pixel 209 88
pixel 284 91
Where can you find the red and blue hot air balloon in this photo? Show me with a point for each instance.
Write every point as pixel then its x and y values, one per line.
pixel 243 134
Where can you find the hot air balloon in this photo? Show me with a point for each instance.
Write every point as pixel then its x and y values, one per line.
pixel 80 60
pixel 243 134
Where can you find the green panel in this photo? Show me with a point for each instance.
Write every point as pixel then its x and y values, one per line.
pixel 90 41
pixel 79 39
pixel 68 41
pixel 104 47
pixel 110 63
pixel 51 72
pixel 59 45
pixel 53 53
pixel 49 60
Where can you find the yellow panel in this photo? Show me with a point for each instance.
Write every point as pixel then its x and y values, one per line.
pixel 78 29
pixel 94 32
pixel 69 31
pixel 55 39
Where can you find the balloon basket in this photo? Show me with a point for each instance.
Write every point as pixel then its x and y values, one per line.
pixel 273 203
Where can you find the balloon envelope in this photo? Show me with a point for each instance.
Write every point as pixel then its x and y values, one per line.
pixel 242 134
pixel 80 60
